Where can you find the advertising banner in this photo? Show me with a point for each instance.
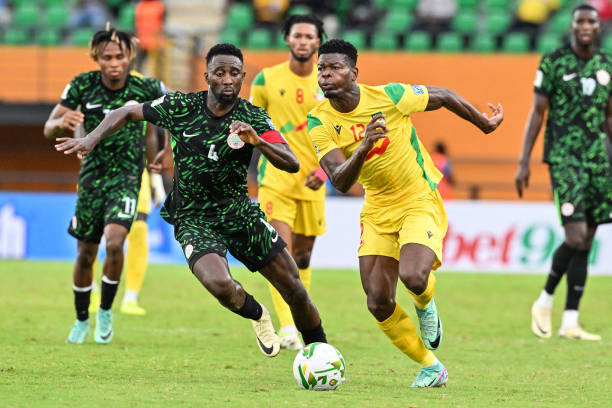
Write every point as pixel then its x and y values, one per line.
pixel 483 236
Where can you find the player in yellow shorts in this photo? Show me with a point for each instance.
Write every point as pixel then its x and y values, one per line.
pixel 365 133
pixel 294 203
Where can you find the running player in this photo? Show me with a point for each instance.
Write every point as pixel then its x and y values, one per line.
pixel 573 84
pixel 365 133
pixel 294 203
pixel 109 179
pixel 213 136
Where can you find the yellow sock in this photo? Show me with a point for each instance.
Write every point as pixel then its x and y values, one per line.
pixel 137 256
pixel 305 275
pixel 282 309
pixel 400 330
pixel 94 269
pixel 423 300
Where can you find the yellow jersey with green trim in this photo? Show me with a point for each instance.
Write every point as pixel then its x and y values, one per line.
pixel 288 98
pixel 398 168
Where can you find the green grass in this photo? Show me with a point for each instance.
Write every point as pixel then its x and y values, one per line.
pixel 189 351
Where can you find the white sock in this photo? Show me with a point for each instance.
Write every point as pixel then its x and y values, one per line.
pixel 130 296
pixel 289 329
pixel 545 300
pixel 570 319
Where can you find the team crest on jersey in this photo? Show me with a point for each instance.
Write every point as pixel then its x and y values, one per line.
pixel 567 209
pixel 418 90
pixel 338 129
pixel 603 77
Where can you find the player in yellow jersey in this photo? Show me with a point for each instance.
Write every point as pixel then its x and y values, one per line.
pixel 365 133
pixel 294 203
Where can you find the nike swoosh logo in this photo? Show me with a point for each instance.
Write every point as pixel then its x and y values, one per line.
pixel 122 215
pixel 185 134
pixel 267 350
pixel 92 106
pixel 567 77
pixel 434 344
pixel 540 329
pixel 106 337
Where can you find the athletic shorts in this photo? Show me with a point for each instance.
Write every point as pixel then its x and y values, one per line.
pixel 144 196
pixel 303 217
pixel 104 203
pixel 582 193
pixel 421 221
pixel 249 238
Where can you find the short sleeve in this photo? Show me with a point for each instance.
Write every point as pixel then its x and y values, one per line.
pixel 162 110
pixel 542 83
pixel 321 138
pixel 260 121
pixel 71 97
pixel 408 98
pixel 258 91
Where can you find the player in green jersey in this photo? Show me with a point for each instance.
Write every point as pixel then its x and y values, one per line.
pixel 109 179
pixel 573 84
pixel 213 134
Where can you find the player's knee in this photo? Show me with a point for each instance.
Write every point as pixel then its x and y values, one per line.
pixel 381 307
pixel 85 258
pixel 221 288
pixel 415 279
pixel 302 259
pixel 114 249
pixel 296 293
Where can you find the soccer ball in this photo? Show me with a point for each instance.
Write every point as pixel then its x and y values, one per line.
pixel 319 367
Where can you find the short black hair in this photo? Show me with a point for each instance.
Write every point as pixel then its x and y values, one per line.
pixel 223 49
pixel 307 19
pixel 110 34
pixel 586 7
pixel 337 46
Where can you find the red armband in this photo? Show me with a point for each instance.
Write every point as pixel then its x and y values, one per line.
pixel 273 136
pixel 321 174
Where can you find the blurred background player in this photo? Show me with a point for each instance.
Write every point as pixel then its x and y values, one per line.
pixel 573 84
pixel 294 203
pixel 443 163
pixel 365 132
pixel 109 179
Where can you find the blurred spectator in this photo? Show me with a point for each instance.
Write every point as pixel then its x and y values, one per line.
pixel 362 13
pixel 5 14
pixel 149 24
pixel 89 13
pixel 435 16
pixel 531 14
pixel 270 12
pixel 442 163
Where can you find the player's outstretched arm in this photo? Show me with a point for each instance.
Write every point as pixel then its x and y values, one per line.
pixel 442 97
pixel 113 122
pixel 279 154
pixel 344 173
pixel 534 124
pixel 61 118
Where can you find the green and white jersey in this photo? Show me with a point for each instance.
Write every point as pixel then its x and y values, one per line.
pixel 578 91
pixel 210 176
pixel 120 154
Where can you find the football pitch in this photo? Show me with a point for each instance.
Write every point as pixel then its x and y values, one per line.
pixel 189 351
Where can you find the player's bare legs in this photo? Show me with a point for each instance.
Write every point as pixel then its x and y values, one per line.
pixel 379 275
pixel 114 234
pixel 213 273
pixel 82 278
pixel 282 272
pixel 302 252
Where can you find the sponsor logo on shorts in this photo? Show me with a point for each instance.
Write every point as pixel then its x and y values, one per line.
pixel 429 234
pixel 188 251
pixel 74 222
pixel 567 209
